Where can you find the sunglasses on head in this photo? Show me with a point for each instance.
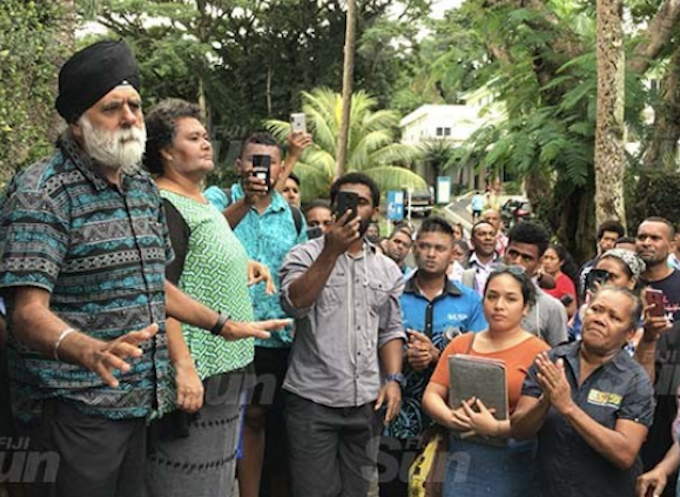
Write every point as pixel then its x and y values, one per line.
pixel 506 268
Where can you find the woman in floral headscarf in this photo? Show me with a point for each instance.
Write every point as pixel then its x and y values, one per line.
pixel 623 269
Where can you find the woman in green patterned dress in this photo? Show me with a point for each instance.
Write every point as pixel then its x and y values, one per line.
pixel 193 447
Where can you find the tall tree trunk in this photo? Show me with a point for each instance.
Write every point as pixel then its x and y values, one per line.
pixel 269 90
pixel 347 87
pixel 610 130
pixel 576 224
pixel 662 151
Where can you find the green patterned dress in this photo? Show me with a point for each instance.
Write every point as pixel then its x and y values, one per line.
pixel 201 461
pixel 215 273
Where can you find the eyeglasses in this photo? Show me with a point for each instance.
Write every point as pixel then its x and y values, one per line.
pixel 499 267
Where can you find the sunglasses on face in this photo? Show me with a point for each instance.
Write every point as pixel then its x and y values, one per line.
pixel 597 277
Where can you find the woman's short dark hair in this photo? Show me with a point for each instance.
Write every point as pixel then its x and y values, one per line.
pixel 161 124
pixel 519 274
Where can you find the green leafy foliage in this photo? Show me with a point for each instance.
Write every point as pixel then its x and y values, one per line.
pixel 28 58
pixel 250 61
pixel 653 193
pixel 372 146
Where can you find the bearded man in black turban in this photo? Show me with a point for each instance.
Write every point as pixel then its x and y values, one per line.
pixel 82 269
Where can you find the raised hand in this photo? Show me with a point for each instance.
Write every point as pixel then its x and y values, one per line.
pixel 342 233
pixel 254 188
pixel 552 378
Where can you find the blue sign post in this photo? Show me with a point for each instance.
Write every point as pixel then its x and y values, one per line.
pixel 443 190
pixel 395 205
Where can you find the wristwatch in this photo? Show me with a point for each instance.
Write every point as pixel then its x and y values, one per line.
pixel 221 319
pixel 398 377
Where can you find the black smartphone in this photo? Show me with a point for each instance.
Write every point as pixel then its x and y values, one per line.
pixel 262 168
pixel 566 299
pixel 597 276
pixel 315 232
pixel 347 201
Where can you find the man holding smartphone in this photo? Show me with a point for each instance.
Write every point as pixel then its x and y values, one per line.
pixel 659 348
pixel 345 370
pixel 268 227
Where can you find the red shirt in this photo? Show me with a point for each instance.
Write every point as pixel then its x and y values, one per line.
pixel 563 286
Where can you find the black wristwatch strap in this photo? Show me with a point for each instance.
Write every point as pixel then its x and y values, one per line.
pixel 221 319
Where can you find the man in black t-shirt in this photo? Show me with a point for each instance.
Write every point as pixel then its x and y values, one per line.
pixel 659 348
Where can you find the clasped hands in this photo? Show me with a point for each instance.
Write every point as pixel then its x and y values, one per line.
pixel 553 381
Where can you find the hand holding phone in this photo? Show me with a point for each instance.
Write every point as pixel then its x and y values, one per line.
pixel 298 123
pixel 655 299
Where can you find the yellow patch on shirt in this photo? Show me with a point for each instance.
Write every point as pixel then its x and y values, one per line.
pixel 604 399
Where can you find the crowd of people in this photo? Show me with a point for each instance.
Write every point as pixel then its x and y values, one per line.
pixel 164 338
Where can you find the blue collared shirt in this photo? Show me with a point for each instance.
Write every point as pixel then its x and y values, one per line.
pixel 459 310
pixel 267 238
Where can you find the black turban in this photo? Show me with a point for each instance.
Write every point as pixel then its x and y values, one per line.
pixel 92 73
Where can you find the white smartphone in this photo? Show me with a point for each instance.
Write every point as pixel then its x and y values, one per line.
pixel 298 122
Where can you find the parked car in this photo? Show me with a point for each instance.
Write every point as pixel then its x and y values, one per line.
pixel 515 210
pixel 421 202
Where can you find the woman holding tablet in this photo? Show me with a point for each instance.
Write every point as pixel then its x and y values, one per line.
pixel 475 469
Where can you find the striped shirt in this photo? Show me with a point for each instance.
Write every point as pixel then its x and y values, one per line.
pixel 101 252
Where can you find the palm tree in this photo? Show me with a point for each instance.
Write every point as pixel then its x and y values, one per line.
pixel 371 147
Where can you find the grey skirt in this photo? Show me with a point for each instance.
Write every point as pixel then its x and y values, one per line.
pixel 195 454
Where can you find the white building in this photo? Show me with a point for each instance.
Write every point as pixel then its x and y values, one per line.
pixel 452 122
pixel 455 123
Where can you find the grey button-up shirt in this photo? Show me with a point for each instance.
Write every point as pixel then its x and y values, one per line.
pixel 547 319
pixel 334 359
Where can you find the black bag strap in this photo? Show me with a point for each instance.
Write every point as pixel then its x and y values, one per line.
pixel 297 218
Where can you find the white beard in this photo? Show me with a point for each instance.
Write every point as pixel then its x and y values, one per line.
pixel 120 150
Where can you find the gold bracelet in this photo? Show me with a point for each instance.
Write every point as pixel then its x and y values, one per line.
pixel 62 335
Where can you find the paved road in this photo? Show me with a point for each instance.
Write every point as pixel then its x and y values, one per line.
pixel 458 211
